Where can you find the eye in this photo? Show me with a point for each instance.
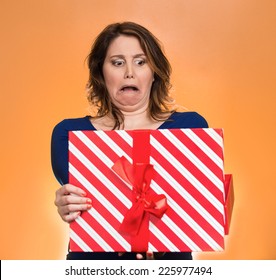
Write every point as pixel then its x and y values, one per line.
pixel 118 62
pixel 140 61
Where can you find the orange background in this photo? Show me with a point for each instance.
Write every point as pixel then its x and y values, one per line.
pixel 223 58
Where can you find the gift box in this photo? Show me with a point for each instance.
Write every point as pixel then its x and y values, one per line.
pixel 159 190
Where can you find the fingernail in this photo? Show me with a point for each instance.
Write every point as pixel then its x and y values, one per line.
pixel 139 257
pixel 89 201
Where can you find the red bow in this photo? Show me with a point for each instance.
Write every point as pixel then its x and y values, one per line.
pixel 144 201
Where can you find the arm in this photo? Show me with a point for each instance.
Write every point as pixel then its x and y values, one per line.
pixel 70 200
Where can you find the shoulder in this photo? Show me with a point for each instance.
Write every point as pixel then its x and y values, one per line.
pixel 186 120
pixel 73 124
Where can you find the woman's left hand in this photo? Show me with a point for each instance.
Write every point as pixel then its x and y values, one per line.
pixel 150 256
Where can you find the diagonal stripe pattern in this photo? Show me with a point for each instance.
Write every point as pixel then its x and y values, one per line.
pixel 189 165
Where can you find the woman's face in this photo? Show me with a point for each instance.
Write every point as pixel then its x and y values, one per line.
pixel 127 74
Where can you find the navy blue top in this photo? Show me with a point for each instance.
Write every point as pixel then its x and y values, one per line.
pixel 59 159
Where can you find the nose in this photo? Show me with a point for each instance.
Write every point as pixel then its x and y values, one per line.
pixel 129 72
pixel 129 76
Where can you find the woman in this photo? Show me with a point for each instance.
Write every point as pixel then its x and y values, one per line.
pixel 129 86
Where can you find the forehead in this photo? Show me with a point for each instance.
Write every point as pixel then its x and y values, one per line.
pixel 124 45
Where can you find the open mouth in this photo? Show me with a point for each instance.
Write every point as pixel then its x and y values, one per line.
pixel 129 88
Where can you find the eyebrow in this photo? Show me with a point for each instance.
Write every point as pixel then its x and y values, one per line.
pixel 122 56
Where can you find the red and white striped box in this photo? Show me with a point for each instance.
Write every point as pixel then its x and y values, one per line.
pixel 188 173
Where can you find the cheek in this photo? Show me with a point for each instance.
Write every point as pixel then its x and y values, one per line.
pixel 148 79
pixel 149 75
pixel 111 80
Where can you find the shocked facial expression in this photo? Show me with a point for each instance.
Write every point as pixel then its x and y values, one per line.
pixel 127 74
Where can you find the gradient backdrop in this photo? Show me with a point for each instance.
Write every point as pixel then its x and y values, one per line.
pixel 223 58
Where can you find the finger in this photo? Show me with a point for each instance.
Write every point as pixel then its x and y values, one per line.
pixel 61 193
pixel 150 255
pixel 71 199
pixel 67 200
pixel 139 256
pixel 71 217
pixel 71 189
pixel 71 208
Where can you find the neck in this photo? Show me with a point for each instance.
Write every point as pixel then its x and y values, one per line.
pixel 137 119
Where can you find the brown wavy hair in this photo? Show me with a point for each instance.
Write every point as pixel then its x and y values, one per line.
pixel 160 103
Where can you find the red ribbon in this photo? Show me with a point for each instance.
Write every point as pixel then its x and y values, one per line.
pixel 144 200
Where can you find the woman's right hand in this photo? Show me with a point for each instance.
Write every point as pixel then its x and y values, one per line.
pixel 71 201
